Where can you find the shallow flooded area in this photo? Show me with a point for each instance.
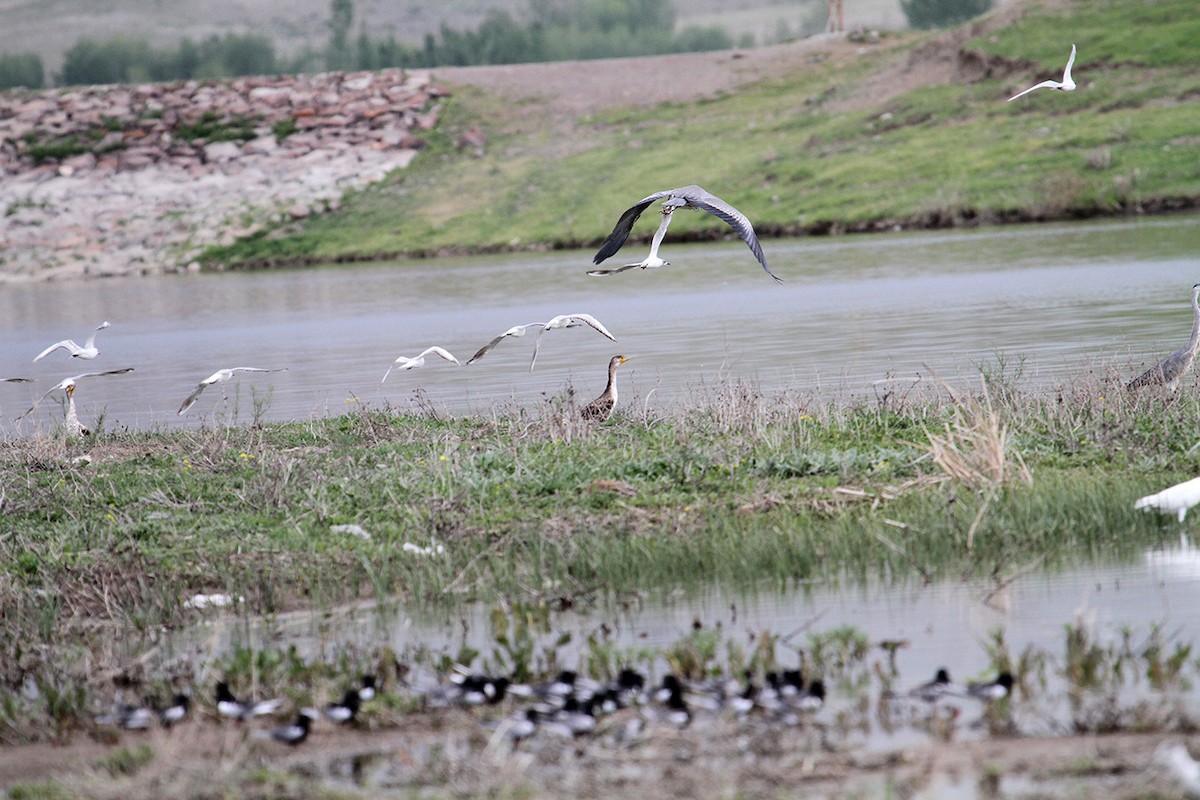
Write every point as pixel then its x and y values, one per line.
pixel 855 316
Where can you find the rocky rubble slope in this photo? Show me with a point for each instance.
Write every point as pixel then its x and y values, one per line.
pixel 119 180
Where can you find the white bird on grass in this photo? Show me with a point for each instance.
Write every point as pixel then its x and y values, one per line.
pixel 1065 85
pixel 220 376
pixel 87 351
pixel 406 363
pixel 1181 767
pixel 694 197
pixel 651 261
pixel 68 385
pixel 516 331
pixel 1177 499
pixel 567 321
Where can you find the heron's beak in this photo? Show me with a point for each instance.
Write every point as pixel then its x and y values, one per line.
pixel 625 358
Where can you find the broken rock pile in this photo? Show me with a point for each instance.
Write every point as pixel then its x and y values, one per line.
pixel 120 180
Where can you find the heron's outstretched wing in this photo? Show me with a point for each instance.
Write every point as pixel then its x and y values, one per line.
pixel 732 217
pixel 624 225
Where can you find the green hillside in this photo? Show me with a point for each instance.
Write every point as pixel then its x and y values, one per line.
pixel 800 154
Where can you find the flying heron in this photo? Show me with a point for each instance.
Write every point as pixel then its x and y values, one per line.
pixel 68 385
pixel 694 197
pixel 567 321
pixel 1065 85
pixel 220 376
pixel 87 351
pixel 1172 368
pixel 406 363
pixel 602 407
pixel 651 261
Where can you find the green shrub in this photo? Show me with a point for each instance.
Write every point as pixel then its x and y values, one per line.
pixel 942 13
pixel 21 69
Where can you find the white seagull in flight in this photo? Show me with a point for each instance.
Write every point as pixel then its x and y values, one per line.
pixel 87 351
pixel 651 261
pixel 515 331
pixel 567 321
pixel 68 385
pixel 220 376
pixel 694 197
pixel 406 363
pixel 1065 85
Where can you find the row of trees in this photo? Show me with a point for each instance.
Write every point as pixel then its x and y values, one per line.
pixel 550 30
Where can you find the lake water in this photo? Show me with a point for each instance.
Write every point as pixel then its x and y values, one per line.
pixel 1110 295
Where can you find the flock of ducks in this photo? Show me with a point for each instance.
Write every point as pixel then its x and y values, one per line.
pixel 568 705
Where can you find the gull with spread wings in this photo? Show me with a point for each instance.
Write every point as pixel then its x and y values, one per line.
pixel 1065 85
pixel 220 376
pixel 568 321
pixel 406 363
pixel 68 385
pixel 87 351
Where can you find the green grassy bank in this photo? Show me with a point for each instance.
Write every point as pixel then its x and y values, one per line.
pixel 804 152
pixel 122 528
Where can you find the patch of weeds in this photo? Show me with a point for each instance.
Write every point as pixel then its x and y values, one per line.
pixel 214 127
pixel 127 761
pixel 284 128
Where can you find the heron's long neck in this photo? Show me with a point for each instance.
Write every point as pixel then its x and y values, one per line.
pixel 1195 340
pixel 612 379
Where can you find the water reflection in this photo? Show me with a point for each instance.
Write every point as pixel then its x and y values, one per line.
pixel 853 311
pixel 946 624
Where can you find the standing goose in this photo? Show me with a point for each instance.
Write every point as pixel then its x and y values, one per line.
pixel 694 197
pixel 1171 369
pixel 602 407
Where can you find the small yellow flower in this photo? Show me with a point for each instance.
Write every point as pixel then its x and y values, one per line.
pixel 245 456
pixel 441 458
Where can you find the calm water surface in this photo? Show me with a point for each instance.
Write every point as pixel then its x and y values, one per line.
pixel 946 624
pixel 853 311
